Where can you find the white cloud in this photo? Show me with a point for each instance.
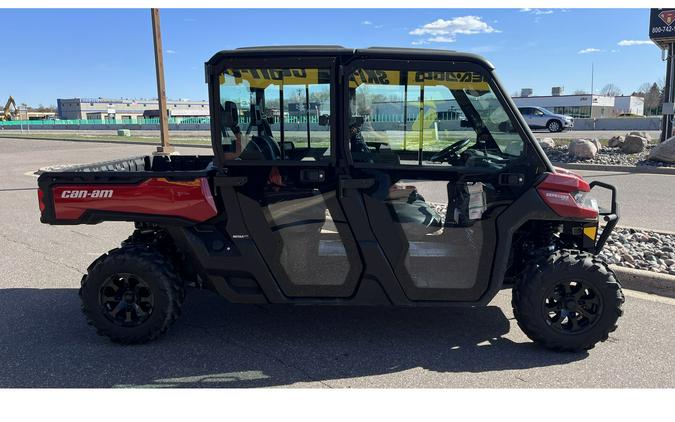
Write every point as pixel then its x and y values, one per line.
pixel 366 23
pixel 419 42
pixel 442 30
pixel 537 11
pixel 378 26
pixel 589 50
pixel 170 51
pixel 441 38
pixel 627 43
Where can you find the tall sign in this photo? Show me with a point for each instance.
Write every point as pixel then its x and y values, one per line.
pixel 662 26
pixel 662 33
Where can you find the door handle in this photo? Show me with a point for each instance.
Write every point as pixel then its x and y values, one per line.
pixel 354 184
pixel 312 175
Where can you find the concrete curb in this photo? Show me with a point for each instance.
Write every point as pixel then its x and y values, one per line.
pixel 614 168
pixel 645 281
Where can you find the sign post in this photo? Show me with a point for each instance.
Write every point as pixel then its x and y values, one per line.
pixel 662 33
pixel 165 148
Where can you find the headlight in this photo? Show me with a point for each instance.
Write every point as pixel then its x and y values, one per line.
pixel 586 200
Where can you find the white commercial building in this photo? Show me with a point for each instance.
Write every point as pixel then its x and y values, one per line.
pixel 584 106
pixel 628 104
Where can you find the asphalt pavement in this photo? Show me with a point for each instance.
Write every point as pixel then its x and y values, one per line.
pixel 45 342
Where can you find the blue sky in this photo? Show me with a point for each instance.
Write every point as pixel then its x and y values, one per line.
pixel 49 54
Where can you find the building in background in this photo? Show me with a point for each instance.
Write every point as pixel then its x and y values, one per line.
pixel 126 110
pixel 585 106
pixel 629 104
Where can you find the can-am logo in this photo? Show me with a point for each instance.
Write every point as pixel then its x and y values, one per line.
pixel 98 193
pixel 667 16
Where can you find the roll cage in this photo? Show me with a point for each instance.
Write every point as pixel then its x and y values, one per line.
pixel 341 61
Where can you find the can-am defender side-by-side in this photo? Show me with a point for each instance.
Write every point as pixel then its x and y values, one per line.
pixel 373 176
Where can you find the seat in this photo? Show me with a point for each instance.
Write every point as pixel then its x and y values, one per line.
pixel 263 143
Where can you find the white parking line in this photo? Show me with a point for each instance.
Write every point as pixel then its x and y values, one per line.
pixel 649 297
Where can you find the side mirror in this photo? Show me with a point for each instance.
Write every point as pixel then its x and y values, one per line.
pixel 324 120
pixel 464 123
pixel 230 115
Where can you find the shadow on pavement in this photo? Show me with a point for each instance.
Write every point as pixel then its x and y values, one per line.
pixel 45 342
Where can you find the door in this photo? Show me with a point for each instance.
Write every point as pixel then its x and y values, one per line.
pixel 277 136
pixel 436 186
pixel 539 118
pixel 528 116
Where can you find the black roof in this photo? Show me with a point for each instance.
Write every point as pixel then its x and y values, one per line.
pixel 337 50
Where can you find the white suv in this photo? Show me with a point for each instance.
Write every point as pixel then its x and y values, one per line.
pixel 540 118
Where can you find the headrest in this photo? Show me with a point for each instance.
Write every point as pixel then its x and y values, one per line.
pixel 230 115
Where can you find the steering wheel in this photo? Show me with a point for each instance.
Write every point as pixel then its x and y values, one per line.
pixel 450 151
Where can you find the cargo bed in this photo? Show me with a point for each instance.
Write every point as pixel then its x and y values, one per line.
pixel 164 189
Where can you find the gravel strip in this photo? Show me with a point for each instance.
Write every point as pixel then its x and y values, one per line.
pixel 607 155
pixel 641 249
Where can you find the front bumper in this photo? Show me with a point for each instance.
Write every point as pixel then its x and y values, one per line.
pixel 610 217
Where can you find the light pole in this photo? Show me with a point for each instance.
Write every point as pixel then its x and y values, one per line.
pixel 165 148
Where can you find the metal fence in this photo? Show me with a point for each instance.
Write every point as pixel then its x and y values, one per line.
pixel 378 118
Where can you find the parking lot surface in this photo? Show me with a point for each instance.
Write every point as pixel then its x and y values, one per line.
pixel 45 341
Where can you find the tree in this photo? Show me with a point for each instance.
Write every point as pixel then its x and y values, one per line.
pixel 652 93
pixel 580 92
pixel 611 90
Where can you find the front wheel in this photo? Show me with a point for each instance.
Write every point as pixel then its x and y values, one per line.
pixel 554 126
pixel 131 294
pixel 568 303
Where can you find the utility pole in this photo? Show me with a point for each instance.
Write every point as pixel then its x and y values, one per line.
pixel 165 148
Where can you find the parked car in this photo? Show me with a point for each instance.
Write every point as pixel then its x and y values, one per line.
pixel 338 214
pixel 541 118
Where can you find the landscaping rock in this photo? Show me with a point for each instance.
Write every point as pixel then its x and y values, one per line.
pixel 597 144
pixel 546 143
pixel 645 135
pixel 665 151
pixel 633 144
pixel 615 141
pixel 608 156
pixel 645 250
pixel 582 149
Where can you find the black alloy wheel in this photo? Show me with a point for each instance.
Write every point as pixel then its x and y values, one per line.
pixel 126 300
pixel 572 307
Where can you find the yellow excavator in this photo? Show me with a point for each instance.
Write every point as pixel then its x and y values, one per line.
pixel 6 113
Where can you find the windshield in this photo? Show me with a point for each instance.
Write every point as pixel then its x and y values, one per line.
pixel 431 118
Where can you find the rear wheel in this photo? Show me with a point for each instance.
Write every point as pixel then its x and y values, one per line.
pixel 131 294
pixel 569 302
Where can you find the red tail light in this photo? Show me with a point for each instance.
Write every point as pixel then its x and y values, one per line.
pixel 565 193
pixel 41 201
